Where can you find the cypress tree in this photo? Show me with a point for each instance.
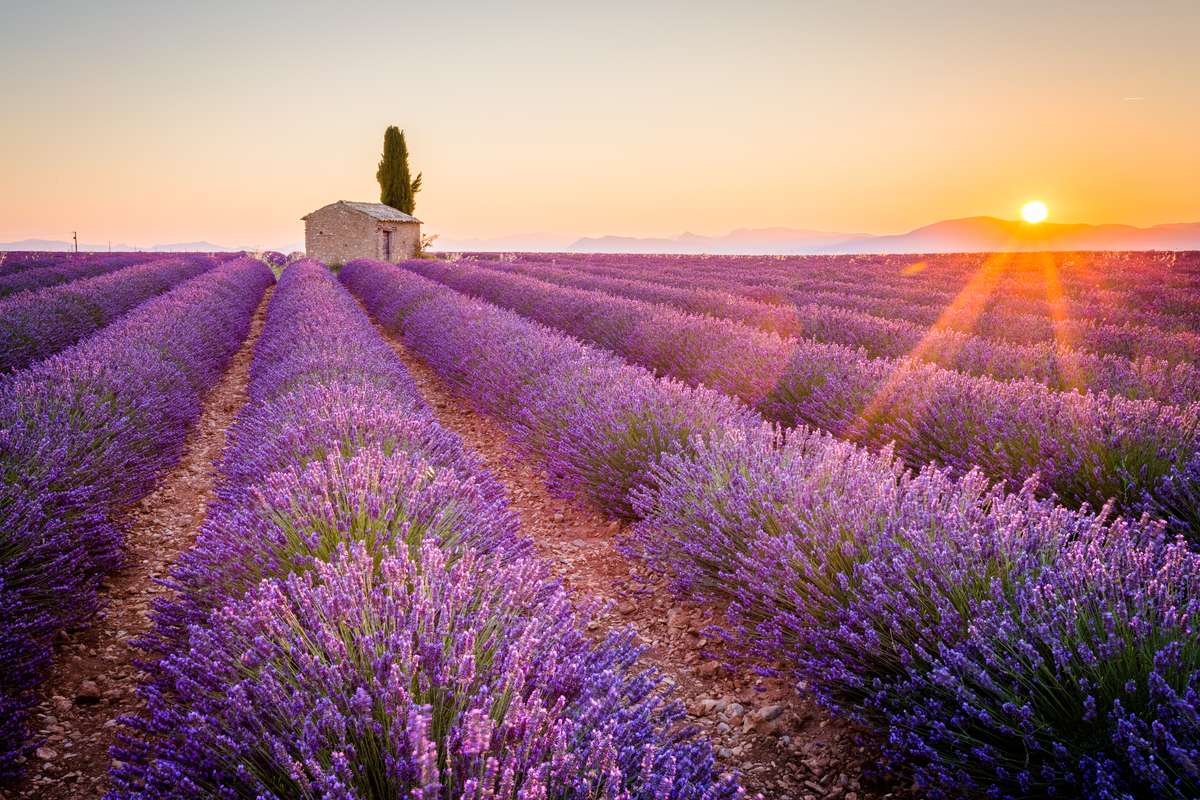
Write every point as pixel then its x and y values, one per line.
pixel 396 186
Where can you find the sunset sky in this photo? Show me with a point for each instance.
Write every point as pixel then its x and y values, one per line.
pixel 175 121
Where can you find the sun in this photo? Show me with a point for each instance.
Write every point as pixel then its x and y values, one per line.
pixel 1034 212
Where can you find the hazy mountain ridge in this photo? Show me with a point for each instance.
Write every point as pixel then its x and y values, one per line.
pixel 987 234
pixel 745 241
pixel 969 234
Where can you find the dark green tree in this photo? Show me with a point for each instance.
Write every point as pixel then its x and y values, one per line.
pixel 396 186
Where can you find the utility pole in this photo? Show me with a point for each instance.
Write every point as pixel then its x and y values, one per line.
pixel 75 237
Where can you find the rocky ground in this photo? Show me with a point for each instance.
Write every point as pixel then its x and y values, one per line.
pixel 95 676
pixel 784 746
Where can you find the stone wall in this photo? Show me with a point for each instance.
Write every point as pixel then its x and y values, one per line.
pixel 336 234
pixel 406 239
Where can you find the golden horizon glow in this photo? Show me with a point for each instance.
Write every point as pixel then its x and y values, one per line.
pixel 1034 211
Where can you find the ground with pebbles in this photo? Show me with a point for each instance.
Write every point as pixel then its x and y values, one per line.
pixel 95 675
pixel 784 746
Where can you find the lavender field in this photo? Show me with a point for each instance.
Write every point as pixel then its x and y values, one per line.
pixel 938 516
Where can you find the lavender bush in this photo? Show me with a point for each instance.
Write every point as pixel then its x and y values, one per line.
pixel 36 324
pixel 1003 644
pixel 57 268
pixel 1052 363
pixel 82 435
pixel 1086 448
pixel 361 618
pixel 977 305
pixel 599 432
pixel 410 675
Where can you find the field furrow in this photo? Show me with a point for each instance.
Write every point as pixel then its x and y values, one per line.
pixel 96 672
pixel 778 739
pixel 86 434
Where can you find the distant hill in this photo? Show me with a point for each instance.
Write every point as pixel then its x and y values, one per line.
pixel 744 241
pixel 986 234
pixel 47 245
pixel 970 234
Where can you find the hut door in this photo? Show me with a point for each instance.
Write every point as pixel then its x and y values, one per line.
pixel 387 245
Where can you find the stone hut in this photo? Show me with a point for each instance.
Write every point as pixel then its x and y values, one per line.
pixel 342 231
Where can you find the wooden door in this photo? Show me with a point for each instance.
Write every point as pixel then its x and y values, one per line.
pixel 387 245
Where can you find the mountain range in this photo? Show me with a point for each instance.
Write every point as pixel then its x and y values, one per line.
pixel 969 234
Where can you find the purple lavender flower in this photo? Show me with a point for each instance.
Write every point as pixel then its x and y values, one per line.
pixel 85 433
pixel 1001 643
pixel 1092 448
pixel 50 269
pixel 1053 363
pixel 39 323
pixel 361 618
pixel 409 675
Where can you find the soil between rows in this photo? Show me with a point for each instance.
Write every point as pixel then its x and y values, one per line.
pixel 784 746
pixel 95 677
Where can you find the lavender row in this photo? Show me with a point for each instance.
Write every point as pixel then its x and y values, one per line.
pixel 1032 285
pixel 75 269
pixel 1059 367
pixel 982 307
pixel 36 324
pixel 1004 646
pixel 1085 448
pixel 974 313
pixel 1011 288
pixel 973 316
pixel 1040 296
pixel 361 617
pixel 1114 272
pixel 82 435
pixel 13 261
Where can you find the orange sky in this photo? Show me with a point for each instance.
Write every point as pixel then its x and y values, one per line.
pixel 159 122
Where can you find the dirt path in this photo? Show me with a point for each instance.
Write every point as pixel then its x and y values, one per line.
pixel 784 746
pixel 95 678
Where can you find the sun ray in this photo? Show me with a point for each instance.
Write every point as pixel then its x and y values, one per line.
pixel 1056 308
pixel 963 311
